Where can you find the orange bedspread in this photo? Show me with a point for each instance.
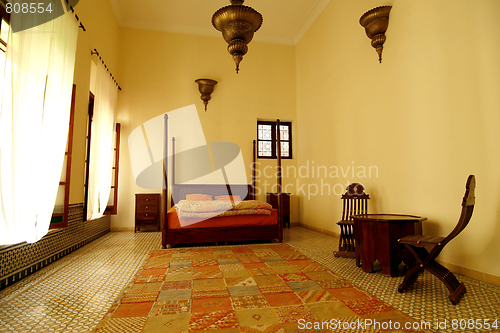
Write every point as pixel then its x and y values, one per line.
pixel 227 221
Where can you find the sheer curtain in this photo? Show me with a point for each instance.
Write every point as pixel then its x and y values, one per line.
pixel 34 117
pixel 101 143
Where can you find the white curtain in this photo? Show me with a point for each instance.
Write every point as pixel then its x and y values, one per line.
pixel 101 143
pixel 34 118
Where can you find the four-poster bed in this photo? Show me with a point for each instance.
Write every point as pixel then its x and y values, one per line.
pixel 180 230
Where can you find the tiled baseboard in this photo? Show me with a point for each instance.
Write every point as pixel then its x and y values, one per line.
pixel 480 276
pixel 328 232
pixel 21 260
pixel 483 277
pixel 121 229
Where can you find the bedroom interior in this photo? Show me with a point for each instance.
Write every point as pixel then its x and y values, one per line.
pixel 422 120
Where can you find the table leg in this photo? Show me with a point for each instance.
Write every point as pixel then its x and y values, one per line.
pixel 396 251
pixel 384 248
pixel 358 241
pixel 369 247
pixel 393 267
pixel 366 262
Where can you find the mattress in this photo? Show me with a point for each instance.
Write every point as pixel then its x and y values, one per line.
pixel 227 221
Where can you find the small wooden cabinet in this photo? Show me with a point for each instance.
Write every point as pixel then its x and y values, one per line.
pixel 147 210
pixel 272 198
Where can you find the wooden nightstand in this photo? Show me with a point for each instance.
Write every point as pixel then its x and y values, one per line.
pixel 272 198
pixel 147 210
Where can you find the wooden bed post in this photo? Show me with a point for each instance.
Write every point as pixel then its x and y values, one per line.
pixel 172 203
pixel 164 191
pixel 278 174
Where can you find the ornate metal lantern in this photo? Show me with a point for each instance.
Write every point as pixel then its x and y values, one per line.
pixel 206 87
pixel 375 22
pixel 237 24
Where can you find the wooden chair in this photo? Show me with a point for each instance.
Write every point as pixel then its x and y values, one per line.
pixel 355 201
pixel 417 244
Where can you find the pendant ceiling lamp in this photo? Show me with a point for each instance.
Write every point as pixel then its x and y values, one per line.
pixel 237 24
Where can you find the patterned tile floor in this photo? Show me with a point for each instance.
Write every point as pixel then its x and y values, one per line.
pixel 427 301
pixel 74 293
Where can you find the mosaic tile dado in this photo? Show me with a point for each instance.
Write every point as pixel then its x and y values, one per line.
pixel 18 261
pixel 74 293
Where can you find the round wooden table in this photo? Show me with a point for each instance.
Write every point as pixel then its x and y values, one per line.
pixel 377 239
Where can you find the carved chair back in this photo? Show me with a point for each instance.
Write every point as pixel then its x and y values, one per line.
pixel 468 203
pixel 355 201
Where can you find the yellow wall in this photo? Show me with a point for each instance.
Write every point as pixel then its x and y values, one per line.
pixel 426 117
pixel 102 34
pixel 158 70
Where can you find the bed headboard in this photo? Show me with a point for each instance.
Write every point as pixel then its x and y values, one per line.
pixel 179 191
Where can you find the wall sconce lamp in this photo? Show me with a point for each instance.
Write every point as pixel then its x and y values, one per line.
pixel 206 87
pixel 375 22
pixel 237 24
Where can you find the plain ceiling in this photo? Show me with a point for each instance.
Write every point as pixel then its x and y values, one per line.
pixel 285 21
